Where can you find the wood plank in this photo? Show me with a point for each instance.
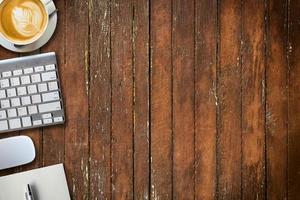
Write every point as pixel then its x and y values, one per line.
pixel 253 100
pixel 76 85
pixel 205 99
pixel 161 100
pixel 100 100
pixel 122 95
pixel 6 54
pixel 54 137
pixel 183 98
pixel 294 96
pixel 277 104
pixel 229 97
pixel 141 99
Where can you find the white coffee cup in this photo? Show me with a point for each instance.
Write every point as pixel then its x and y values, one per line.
pixel 49 8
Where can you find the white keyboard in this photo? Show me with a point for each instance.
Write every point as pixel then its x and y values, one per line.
pixel 30 93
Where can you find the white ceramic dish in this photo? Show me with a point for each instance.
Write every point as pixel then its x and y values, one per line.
pixel 37 44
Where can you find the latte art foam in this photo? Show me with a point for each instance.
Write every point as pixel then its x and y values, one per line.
pixel 22 21
pixel 27 19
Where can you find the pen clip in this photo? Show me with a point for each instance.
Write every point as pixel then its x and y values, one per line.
pixel 29 194
pixel 29 189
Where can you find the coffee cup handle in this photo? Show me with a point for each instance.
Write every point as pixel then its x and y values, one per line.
pixel 49 6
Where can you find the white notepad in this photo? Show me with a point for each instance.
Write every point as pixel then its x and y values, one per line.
pixel 47 183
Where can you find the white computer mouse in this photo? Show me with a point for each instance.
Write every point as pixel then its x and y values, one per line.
pixel 16 151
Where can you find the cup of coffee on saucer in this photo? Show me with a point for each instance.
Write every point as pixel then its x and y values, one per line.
pixel 23 22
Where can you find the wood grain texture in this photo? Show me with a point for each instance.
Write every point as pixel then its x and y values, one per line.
pixel 141 99
pixel 229 100
pixel 276 99
pixel 205 99
pixel 122 95
pixel 183 38
pixel 76 91
pixel 100 100
pixel 53 137
pixel 175 99
pixel 294 96
pixel 253 100
pixel 161 100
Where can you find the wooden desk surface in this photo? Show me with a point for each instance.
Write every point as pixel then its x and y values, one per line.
pixel 176 99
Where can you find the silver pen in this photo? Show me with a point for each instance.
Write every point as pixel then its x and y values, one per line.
pixel 28 193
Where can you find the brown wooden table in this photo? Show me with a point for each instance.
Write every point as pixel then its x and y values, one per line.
pixel 176 99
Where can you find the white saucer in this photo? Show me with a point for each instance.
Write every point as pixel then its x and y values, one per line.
pixel 37 44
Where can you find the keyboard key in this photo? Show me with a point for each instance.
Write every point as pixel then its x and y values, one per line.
pixel 37 122
pixel 3 125
pixel 25 80
pixel 47 121
pixel 32 110
pixel 12 112
pixel 53 86
pixel 22 111
pixel 11 92
pixel 2 94
pixel 58 119
pixel 26 121
pixel 36 78
pixel 15 102
pixel 52 96
pixel 31 89
pixel 48 107
pixel 50 67
pixel 49 76
pixel 25 100
pixel 3 114
pixel 28 70
pixel 6 74
pixel 21 91
pixel 36 99
pixel 5 103
pixel 39 69
pixel 42 87
pixel 4 83
pixel 15 81
pixel 48 115
pixel 15 123
pixel 17 72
